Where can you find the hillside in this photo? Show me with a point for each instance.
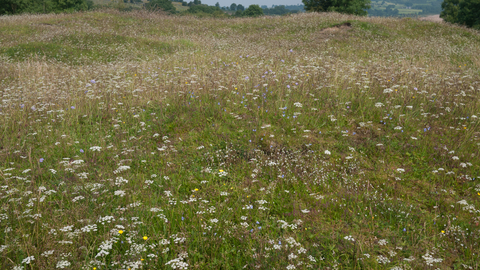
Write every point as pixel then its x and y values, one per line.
pixel 311 141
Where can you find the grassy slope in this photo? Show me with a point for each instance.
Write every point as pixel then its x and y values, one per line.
pixel 212 142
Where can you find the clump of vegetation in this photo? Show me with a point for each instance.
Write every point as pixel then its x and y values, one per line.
pixel 465 12
pixel 137 140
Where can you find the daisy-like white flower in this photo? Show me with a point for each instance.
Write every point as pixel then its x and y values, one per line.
pixel 96 148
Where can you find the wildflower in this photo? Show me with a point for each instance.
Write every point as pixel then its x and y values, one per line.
pixel 95 148
pixel 327 152
pixel 120 232
pixel 145 238
pixel 28 260
pixel 349 237
pixel 41 160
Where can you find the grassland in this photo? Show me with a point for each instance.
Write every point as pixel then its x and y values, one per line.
pixel 324 141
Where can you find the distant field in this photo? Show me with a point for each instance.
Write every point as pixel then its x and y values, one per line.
pixel 135 140
pixel 409 11
pixel 179 6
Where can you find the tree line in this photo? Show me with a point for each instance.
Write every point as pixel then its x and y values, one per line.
pixel 464 12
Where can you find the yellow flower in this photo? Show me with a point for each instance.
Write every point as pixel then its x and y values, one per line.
pixel 135 74
pixel 120 232
pixel 464 127
pixel 196 189
pixel 142 259
pixel 145 238
pixel 220 170
pixel 443 231
pixel 235 88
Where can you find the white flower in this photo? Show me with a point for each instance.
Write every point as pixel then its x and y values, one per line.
pixel 28 260
pixel 382 242
pixel 214 220
pixel 291 266
pixel 120 193
pixel 349 238
pixel 414 138
pixel 327 152
pixel 63 264
pixel 382 259
pixel 387 91
pixel 463 165
pixel 292 256
pixel 96 148
pixel 378 104
pixel 298 104
pixel 398 128
pixel 455 158
pixel 305 211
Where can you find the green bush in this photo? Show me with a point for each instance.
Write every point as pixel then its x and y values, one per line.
pixel 43 6
pixel 253 11
pixel 164 5
pixel 465 12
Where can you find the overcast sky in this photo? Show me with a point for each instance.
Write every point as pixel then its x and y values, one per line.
pixel 246 3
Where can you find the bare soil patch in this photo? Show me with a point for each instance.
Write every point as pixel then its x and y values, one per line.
pixel 431 18
pixel 336 28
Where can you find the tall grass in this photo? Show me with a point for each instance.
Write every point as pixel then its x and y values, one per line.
pixel 325 141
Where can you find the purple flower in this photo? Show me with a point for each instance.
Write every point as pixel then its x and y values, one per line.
pixel 415 89
pixel 288 86
pixel 81 151
pixel 291 50
pixel 92 81
pixel 41 159
pixel 73 107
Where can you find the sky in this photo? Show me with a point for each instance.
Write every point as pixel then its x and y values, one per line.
pixel 246 3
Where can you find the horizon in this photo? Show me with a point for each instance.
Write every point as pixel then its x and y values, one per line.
pixel 247 3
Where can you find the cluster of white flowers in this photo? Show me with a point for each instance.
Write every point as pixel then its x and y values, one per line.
pixel 96 148
pixel 121 169
pixel 178 263
pixel 349 238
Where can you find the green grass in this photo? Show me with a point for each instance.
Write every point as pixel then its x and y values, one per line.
pixel 137 141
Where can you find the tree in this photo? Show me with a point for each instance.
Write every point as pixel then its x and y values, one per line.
pixel 217 5
pixel 253 11
pixel 465 12
pixel 12 6
pixel 165 5
pixel 240 7
pixel 233 6
pixel 357 7
pixel 42 6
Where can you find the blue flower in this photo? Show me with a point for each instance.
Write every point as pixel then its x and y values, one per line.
pixel 81 151
pixel 41 159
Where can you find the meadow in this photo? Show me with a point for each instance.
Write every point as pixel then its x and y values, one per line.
pixel 311 141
